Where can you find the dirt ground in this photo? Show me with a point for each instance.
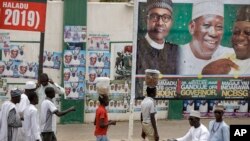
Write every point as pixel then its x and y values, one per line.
pixel 119 132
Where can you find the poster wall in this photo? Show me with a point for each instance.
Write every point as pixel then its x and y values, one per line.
pixel 74 62
pixel 193 65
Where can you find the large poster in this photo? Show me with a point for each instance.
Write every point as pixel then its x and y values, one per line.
pixel 196 47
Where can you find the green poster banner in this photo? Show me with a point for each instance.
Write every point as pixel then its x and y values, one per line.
pixel 195 46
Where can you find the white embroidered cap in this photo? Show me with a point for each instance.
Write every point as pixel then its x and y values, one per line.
pixel 14 47
pixel 68 53
pixel 194 113
pixel 207 7
pixel 219 107
pixel 29 85
pixel 152 71
pixel 2 63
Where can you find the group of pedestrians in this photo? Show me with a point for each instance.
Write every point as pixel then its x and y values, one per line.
pixel 22 120
pixel 218 130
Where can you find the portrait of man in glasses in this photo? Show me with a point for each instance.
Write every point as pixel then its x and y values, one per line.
pixel 153 51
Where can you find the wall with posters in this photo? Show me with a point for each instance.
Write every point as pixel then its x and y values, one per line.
pixel 27 42
pixel 117 32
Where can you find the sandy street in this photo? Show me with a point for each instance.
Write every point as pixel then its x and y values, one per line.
pixel 167 129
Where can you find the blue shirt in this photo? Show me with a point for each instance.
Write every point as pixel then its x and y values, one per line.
pixel 219 131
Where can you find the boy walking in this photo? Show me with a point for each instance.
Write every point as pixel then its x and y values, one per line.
pixel 101 120
pixel 48 120
pixel 31 124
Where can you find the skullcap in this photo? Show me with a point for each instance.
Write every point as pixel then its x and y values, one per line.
pixel 14 47
pixel 194 113
pixel 93 55
pixel 29 85
pixel 92 71
pixel 68 53
pixel 23 64
pixel 166 4
pixel 207 7
pixel 2 63
pixel 219 107
pixel 66 70
pixel 244 14
pixel 152 71
pixel 15 92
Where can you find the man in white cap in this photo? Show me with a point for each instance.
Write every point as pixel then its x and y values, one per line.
pixel 153 51
pixel 243 106
pixel 92 76
pixel 206 29
pixel 23 67
pixel 31 122
pixel 190 106
pixel 203 107
pixel 49 59
pixel 101 118
pixel 9 119
pixel 93 59
pixel 14 52
pixel 66 74
pixel 67 57
pixel 197 132
pixel 29 87
pixel 2 69
pixel 219 130
pixel 239 63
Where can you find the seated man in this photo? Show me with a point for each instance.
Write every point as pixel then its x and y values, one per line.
pixel 197 132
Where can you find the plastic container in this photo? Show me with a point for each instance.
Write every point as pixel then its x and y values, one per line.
pixel 151 77
pixel 102 85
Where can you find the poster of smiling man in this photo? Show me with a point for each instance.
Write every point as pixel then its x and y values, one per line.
pixel 197 47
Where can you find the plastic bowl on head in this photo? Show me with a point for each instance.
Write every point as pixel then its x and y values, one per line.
pixel 151 77
pixel 102 85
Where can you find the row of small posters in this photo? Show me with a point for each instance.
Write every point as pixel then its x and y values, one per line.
pixel 77 57
pixel 75 61
pixel 232 108
pixel 14 62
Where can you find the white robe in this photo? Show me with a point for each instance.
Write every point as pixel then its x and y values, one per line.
pixel 244 67
pixel 48 63
pixel 190 65
pixel 4 113
pixel 75 62
pixel 196 134
pixel 243 108
pixel 203 108
pixel 21 106
pixel 31 124
pixel 73 79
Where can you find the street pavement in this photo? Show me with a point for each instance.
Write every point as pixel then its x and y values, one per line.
pixel 119 132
